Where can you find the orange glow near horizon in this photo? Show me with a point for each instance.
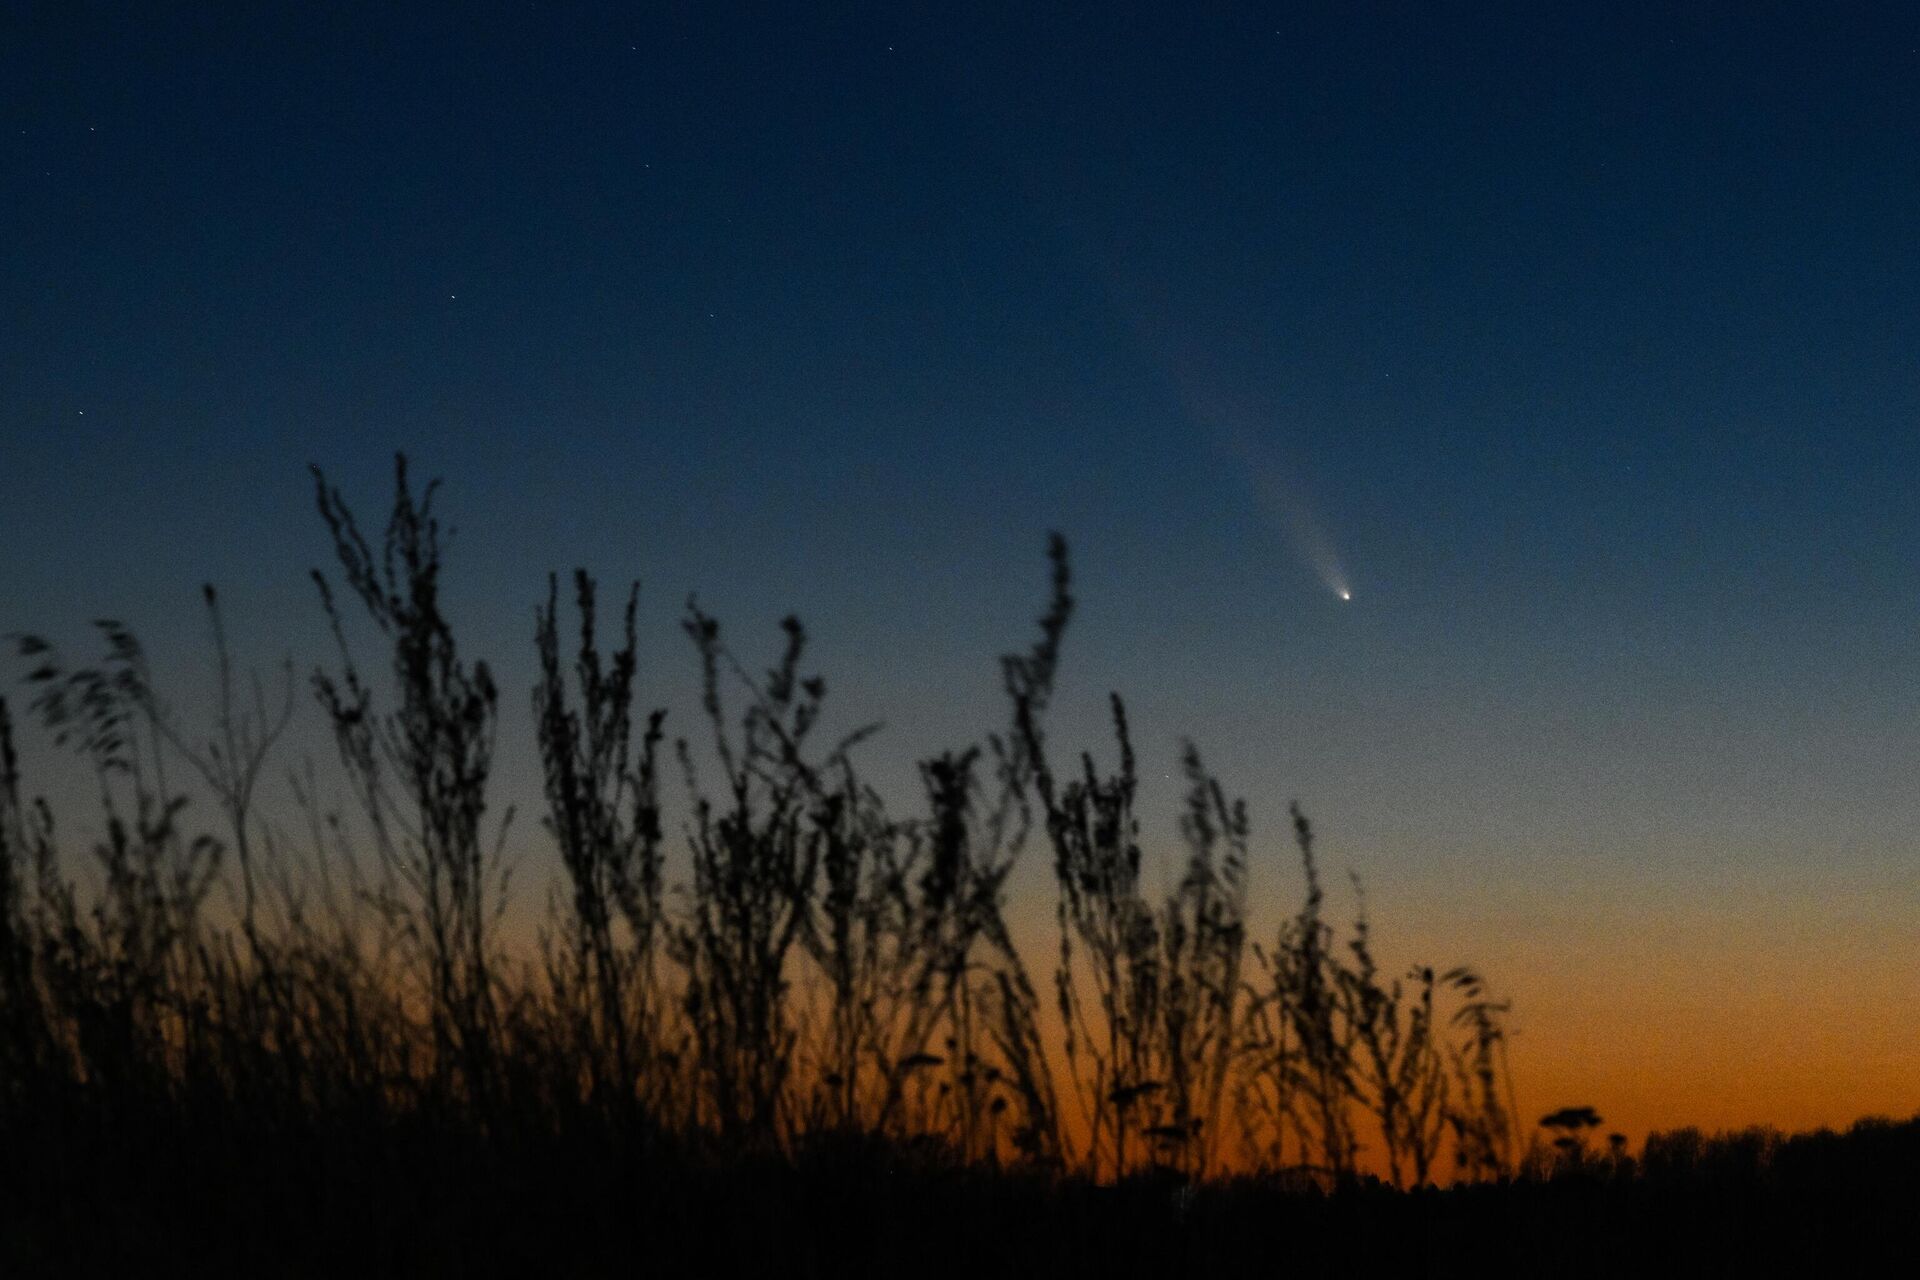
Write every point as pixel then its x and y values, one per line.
pixel 1661 1009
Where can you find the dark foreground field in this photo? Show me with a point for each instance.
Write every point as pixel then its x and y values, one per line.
pixel 99 1195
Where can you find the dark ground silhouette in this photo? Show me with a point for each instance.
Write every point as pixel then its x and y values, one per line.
pixel 103 1194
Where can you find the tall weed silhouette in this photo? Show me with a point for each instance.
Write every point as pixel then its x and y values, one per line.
pixel 778 961
pixel 420 769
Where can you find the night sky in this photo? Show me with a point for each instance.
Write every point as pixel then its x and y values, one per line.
pixel 1580 347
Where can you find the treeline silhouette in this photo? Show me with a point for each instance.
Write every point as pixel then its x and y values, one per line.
pixel 790 1027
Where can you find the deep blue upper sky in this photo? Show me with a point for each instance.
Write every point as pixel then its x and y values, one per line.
pixel 1588 337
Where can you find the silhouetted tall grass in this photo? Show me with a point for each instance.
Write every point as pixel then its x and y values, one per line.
pixel 603 810
pixel 796 977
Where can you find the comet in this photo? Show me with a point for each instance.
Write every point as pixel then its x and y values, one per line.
pixel 1242 429
pixel 1280 497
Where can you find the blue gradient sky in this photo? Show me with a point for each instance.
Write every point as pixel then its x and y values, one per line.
pixel 1588 339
